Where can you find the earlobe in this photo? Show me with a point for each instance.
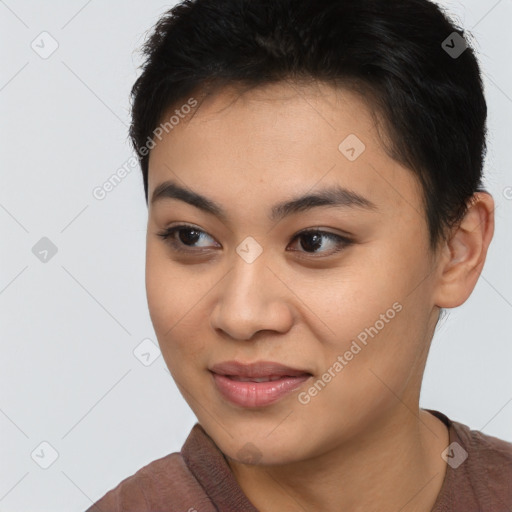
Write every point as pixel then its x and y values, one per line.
pixel 464 252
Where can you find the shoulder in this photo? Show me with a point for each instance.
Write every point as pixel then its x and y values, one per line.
pixel 479 472
pixel 485 448
pixel 490 455
pixel 166 484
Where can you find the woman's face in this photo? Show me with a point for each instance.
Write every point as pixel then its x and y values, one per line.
pixel 348 310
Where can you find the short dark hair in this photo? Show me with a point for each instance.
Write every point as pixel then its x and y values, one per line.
pixel 390 51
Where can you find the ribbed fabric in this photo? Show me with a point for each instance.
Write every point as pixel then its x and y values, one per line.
pixel 199 479
pixel 483 482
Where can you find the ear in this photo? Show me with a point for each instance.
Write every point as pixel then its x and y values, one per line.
pixel 463 254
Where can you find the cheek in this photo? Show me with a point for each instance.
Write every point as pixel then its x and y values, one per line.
pixel 372 377
pixel 175 295
pixel 379 316
pixel 170 293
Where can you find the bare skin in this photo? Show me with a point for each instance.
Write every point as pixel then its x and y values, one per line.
pixel 362 442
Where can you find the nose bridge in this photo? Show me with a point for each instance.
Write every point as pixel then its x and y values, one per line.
pixel 249 267
pixel 251 298
pixel 244 284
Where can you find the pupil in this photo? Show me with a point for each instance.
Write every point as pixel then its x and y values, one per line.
pixel 315 245
pixel 189 239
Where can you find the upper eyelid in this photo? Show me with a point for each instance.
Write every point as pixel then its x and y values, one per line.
pixel 342 242
pixel 345 238
pixel 304 230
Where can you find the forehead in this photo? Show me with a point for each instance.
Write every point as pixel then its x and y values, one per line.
pixel 282 139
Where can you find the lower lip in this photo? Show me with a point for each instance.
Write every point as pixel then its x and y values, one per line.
pixel 257 394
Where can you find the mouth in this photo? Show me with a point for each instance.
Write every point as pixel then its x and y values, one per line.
pixel 256 384
pixel 255 379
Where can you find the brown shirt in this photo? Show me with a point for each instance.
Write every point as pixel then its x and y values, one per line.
pixel 198 479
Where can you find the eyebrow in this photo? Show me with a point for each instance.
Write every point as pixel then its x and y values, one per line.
pixel 333 196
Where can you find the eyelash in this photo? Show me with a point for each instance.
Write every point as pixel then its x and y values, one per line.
pixel 167 234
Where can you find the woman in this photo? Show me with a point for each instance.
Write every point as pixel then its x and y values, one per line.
pixel 313 172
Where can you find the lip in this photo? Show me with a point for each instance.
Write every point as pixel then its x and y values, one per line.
pixel 249 393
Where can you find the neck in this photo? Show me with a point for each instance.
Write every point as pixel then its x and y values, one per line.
pixel 394 465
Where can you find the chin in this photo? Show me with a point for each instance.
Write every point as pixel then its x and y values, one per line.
pixel 255 446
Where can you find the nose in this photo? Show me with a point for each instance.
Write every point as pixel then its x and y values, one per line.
pixel 252 297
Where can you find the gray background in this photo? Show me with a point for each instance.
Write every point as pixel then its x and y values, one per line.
pixel 69 375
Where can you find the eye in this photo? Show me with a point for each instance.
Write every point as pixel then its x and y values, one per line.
pixel 314 239
pixel 311 240
pixel 187 235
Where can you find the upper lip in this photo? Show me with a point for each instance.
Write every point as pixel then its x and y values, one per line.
pixel 257 369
